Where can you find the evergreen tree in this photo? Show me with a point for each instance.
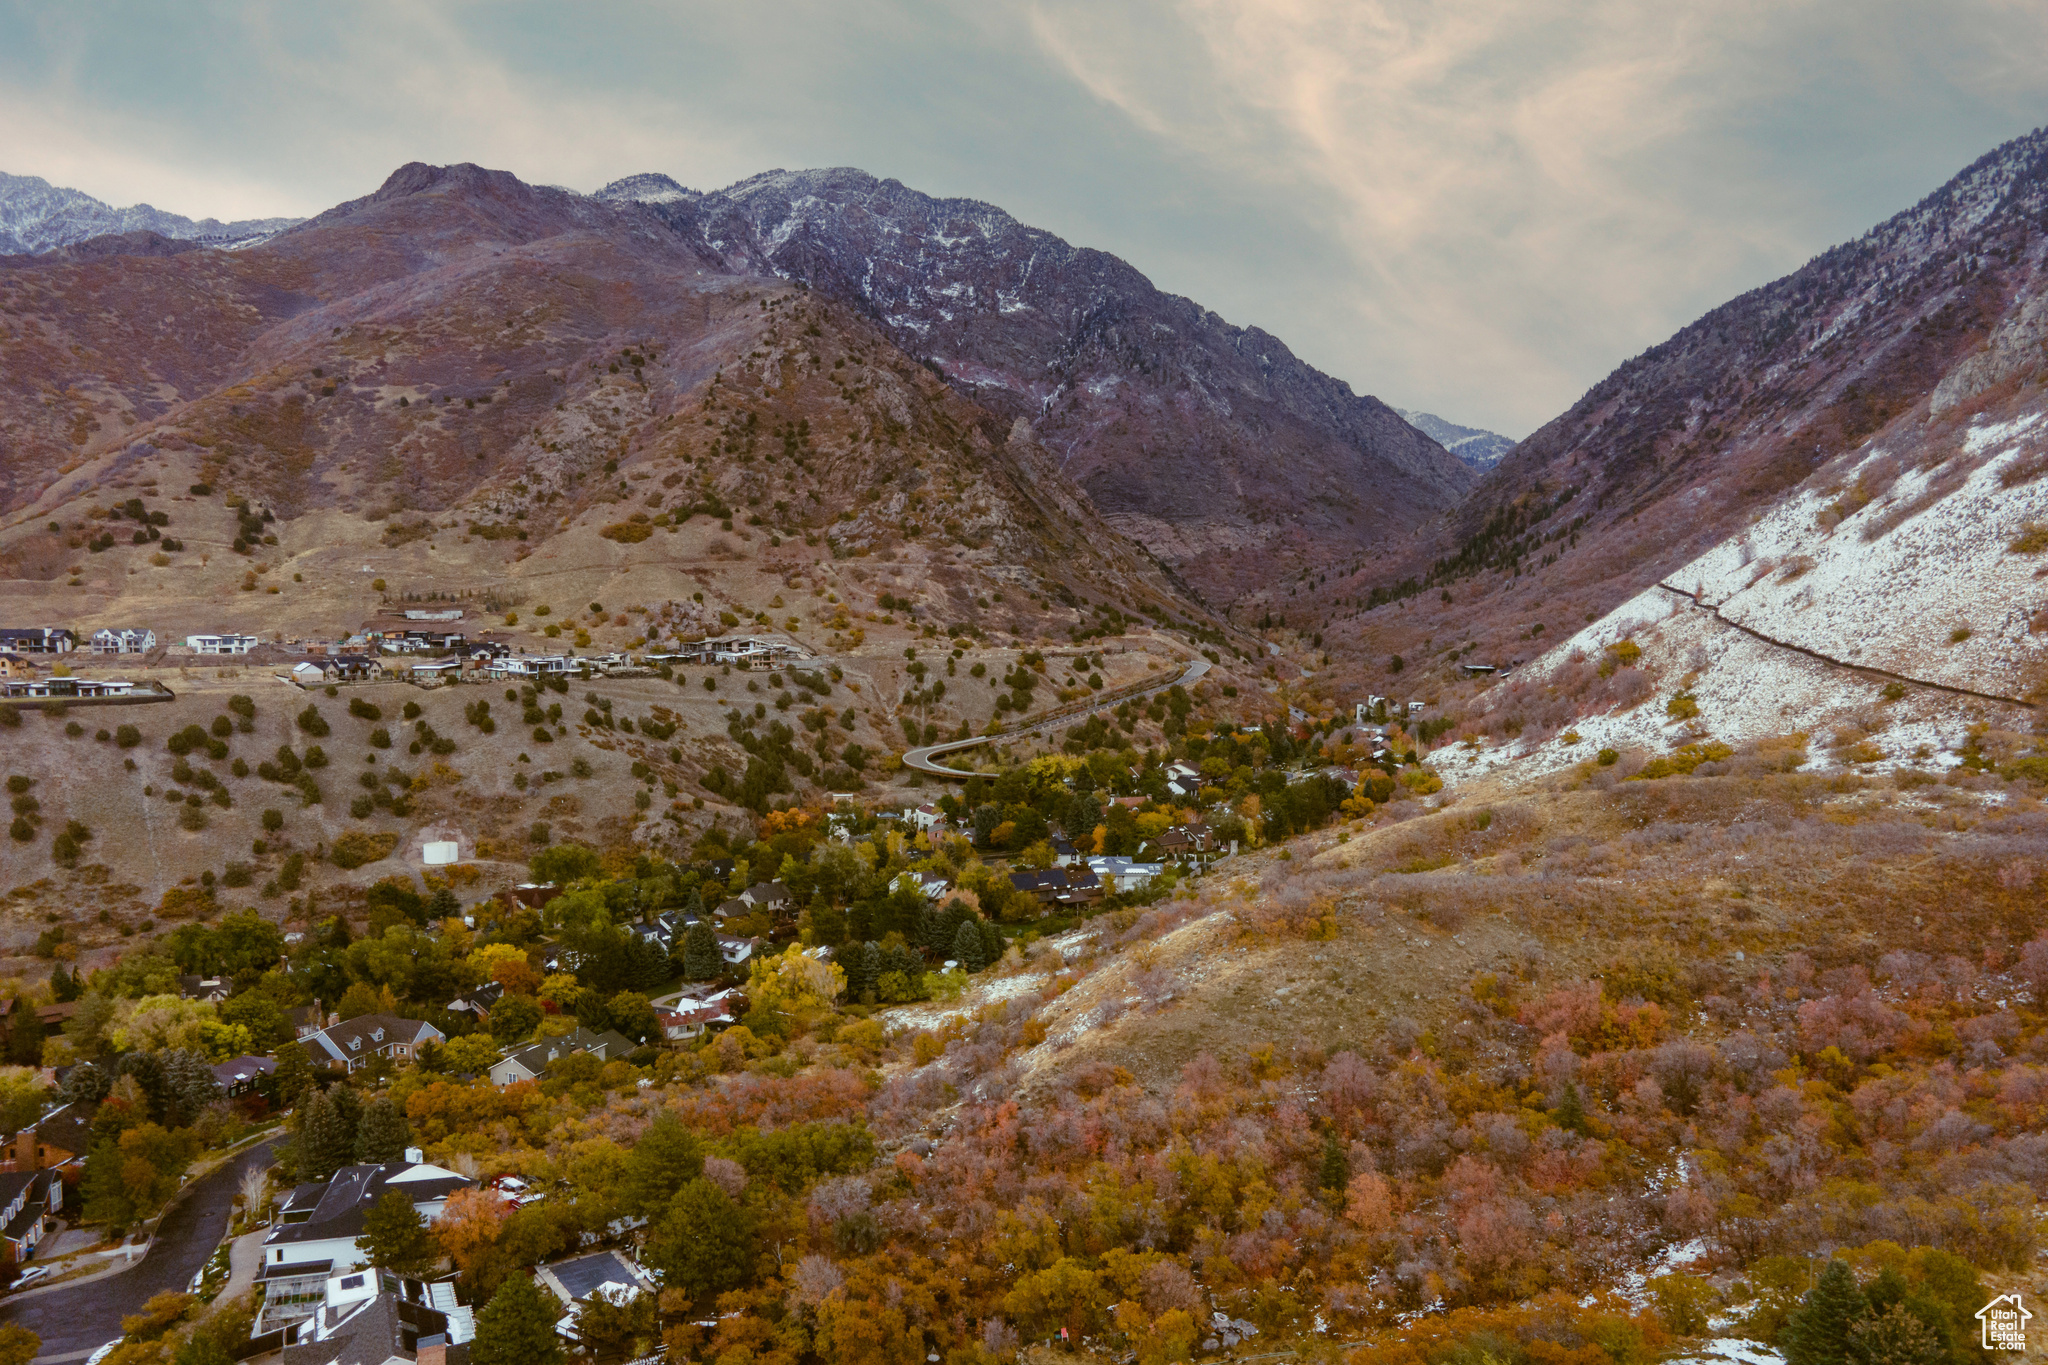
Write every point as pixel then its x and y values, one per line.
pixel 703 1244
pixel 326 1138
pixel 395 1237
pixel 294 1075
pixel 517 1327
pixel 443 905
pixel 667 1157
pixel 1817 1331
pixel 383 1134
pixel 993 944
pixel 701 961
pixel 189 1080
pixel 828 922
pixel 85 1084
pixel 24 1034
pixel 64 986
pixel 1570 1113
pixel 1334 1174
pixel 148 1070
pixel 967 947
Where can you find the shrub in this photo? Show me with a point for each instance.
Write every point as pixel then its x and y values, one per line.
pixel 364 709
pixel 2032 539
pixel 127 736
pixel 1682 706
pixel 313 723
pixel 359 846
pixel 628 532
pixel 192 818
pixel 273 820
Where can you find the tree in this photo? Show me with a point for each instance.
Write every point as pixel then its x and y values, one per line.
pixel 1817 1332
pixel 667 1157
pixel 24 1034
pixel 704 1243
pixel 64 986
pixel 294 1074
pixel 514 1018
pixel 86 1084
pixel 565 863
pixel 383 1134
pixel 633 1015
pixel 469 1055
pixel 1334 1175
pixel 517 1327
pixel 469 1226
pixel 701 959
pixel 18 1345
pixel 967 948
pixel 395 1236
pixel 190 1083
pixel 327 1137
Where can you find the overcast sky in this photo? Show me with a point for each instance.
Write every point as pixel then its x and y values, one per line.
pixel 1475 207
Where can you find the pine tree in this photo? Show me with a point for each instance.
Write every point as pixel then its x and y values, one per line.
pixel 395 1237
pixel 190 1082
pixel 294 1075
pixel 701 960
pixel 64 986
pixel 1570 1113
pixel 993 944
pixel 1817 1332
pixel 828 922
pixel 383 1135
pixel 85 1084
pixel 967 947
pixel 326 1139
pixel 1335 1172
pixel 24 1034
pixel 667 1157
pixel 443 904
pixel 704 1244
pixel 517 1327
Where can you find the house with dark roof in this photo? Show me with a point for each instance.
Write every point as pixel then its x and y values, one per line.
pixel 37 640
pixel 211 989
pixel 317 1226
pixel 59 1136
pixel 477 1003
pixel 773 897
pixel 239 1075
pixel 605 1275
pixel 27 1199
pixel 352 1043
pixel 531 1063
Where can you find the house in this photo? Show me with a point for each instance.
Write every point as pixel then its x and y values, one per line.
pixel 736 951
pixel 60 1136
pixel 351 1045
pixel 445 614
pixel 689 1019
pixel 211 989
pixel 727 909
pixel 477 1004
pixel 356 668
pixel 530 1063
pixel 533 895
pixel 239 1075
pixel 365 1317
pixel 1082 887
pixel 310 673
pixel 38 640
pixel 1063 854
pixel 130 640
pixel 221 644
pixel 66 687
pixel 317 1226
pixel 530 666
pixel 930 885
pixel 1185 843
pixel 16 666
pixel 437 670
pixel 606 1275
pixel 749 651
pixel 1043 882
pixel 924 817
pixel 773 897
pixel 307 1020
pixel 27 1199
pixel 1124 874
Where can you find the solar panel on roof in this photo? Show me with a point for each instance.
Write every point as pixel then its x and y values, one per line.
pixel 586 1274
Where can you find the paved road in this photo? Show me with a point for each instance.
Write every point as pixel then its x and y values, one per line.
pixel 922 758
pixel 76 1320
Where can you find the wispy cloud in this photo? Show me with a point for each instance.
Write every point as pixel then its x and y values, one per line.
pixel 1474 206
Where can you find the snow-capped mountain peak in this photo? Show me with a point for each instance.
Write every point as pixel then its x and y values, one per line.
pixel 647 188
pixel 36 216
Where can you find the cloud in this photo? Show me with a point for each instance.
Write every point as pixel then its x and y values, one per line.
pixel 1476 207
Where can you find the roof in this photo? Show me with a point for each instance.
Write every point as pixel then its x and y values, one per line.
pixel 67 1127
pixel 13 1183
pixel 373 1332
pixel 295 1270
pixel 582 1276
pixel 536 1057
pixel 244 1068
pixel 345 1200
pixel 22 1223
pixel 1040 879
pixel 369 1033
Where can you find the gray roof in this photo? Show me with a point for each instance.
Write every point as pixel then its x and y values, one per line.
pixel 344 1202
pixel 381 1328
pixel 535 1057
pixel 584 1275
pixel 357 1038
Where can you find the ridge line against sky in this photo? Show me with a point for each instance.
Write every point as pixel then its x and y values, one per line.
pixel 1472 207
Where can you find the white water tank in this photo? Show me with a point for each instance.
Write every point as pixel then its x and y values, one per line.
pixel 441 852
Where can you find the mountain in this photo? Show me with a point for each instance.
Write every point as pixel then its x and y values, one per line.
pixel 1476 446
pixel 1213 445
pixel 1837 471
pixel 36 216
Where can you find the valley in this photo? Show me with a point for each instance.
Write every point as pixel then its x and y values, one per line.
pixel 940 802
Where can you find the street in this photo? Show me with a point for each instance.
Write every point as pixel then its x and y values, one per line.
pixel 76 1320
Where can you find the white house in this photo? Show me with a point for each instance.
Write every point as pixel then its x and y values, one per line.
pixel 930 885
pixel 1124 874
pixel 352 1043
pixel 221 644
pixel 924 817
pixel 317 1225
pixel 106 640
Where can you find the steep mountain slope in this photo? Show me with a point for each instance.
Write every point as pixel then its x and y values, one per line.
pixel 1856 381
pixel 1476 446
pixel 1213 445
pixel 36 216
pixel 461 352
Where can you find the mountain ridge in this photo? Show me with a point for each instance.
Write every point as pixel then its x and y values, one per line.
pixel 38 217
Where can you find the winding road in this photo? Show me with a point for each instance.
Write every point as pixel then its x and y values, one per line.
pixel 922 758
pixel 74 1320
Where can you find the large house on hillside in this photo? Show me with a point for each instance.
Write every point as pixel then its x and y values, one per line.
pixel 221 644
pixel 352 1043
pixel 37 640
pixel 531 1063
pixel 107 640
pixel 318 1224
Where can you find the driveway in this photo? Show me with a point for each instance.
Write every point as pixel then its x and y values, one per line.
pixel 924 759
pixel 74 1320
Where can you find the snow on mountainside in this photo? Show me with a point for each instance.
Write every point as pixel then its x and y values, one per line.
pixel 1202 439
pixel 36 216
pixel 1476 446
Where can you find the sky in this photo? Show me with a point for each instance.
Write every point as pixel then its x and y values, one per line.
pixel 1471 207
